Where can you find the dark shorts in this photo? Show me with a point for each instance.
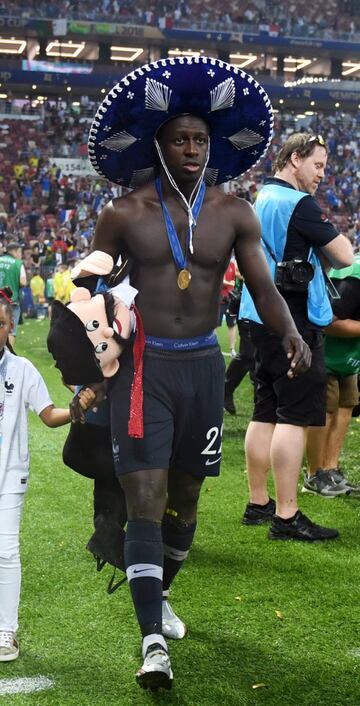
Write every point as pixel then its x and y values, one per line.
pixel 341 392
pixel 230 320
pixel 183 412
pixel 299 401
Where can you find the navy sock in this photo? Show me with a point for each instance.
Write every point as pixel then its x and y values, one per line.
pixel 177 538
pixel 143 555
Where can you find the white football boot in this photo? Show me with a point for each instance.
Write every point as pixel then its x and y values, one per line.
pixel 156 672
pixel 172 627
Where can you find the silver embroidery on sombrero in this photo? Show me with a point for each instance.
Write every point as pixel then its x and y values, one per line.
pixel 211 175
pixel 157 95
pixel 119 142
pixel 142 176
pixel 223 95
pixel 245 138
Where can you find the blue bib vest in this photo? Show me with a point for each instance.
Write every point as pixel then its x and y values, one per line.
pixel 274 206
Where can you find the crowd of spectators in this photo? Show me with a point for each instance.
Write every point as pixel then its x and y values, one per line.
pixel 297 17
pixel 53 212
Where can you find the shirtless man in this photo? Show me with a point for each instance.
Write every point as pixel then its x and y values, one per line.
pixel 178 271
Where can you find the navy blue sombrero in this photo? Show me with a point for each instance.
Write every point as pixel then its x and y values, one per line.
pixel 230 101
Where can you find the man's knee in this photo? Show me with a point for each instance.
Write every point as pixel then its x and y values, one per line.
pixel 145 493
pixel 183 495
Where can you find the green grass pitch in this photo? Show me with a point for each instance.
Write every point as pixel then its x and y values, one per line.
pixel 270 623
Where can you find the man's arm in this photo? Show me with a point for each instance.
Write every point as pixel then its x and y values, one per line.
pixel 270 305
pixel 334 249
pixel 22 279
pixel 108 230
pixel 339 252
pixel 343 328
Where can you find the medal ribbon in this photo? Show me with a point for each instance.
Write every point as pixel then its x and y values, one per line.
pixel 178 255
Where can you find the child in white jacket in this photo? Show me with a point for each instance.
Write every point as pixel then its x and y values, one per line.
pixel 21 388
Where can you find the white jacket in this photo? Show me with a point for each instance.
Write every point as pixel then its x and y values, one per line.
pixel 24 389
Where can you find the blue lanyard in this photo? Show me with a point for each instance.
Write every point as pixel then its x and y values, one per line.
pixel 178 255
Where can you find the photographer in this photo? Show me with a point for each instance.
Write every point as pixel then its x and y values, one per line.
pixel 299 243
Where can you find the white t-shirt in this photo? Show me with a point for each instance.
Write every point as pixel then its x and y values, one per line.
pixel 24 389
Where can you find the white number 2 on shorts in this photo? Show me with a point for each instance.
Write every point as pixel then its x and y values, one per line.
pixel 212 436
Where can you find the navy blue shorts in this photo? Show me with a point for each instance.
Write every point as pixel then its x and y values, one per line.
pixel 183 412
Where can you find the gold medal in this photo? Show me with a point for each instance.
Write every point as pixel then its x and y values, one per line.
pixel 183 279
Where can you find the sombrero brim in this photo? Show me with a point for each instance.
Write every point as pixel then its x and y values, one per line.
pixel 230 101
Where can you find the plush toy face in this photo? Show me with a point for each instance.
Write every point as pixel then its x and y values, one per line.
pixel 91 311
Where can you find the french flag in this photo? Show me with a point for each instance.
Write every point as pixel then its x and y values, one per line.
pixel 66 214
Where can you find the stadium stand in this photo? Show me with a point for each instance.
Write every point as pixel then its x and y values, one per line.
pixel 336 18
pixel 38 198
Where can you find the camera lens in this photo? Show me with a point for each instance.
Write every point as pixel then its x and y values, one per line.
pixel 302 272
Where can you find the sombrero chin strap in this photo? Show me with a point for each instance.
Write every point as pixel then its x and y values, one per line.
pixel 194 194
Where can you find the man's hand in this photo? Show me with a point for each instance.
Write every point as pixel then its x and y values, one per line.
pixel 298 352
pixel 89 397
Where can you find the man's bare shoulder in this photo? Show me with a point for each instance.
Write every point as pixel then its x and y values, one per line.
pixel 133 203
pixel 139 195
pixel 225 200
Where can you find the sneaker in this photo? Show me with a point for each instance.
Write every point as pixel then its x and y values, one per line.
pixel 321 483
pixel 172 626
pixel 229 405
pixel 259 514
pixel 155 672
pixel 233 353
pixel 301 528
pixel 338 477
pixel 9 647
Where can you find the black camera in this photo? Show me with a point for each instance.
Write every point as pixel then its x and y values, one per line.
pixel 293 275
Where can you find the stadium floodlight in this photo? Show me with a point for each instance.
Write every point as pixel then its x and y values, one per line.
pixel 293 63
pixel 68 49
pixel 3 95
pixel 12 46
pixel 353 66
pixel 242 60
pixel 125 53
pixel 185 52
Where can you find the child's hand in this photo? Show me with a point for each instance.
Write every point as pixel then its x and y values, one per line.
pixel 86 398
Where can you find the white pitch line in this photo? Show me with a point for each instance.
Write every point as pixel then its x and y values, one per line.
pixel 24 685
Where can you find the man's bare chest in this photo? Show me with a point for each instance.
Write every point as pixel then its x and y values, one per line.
pixel 153 242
